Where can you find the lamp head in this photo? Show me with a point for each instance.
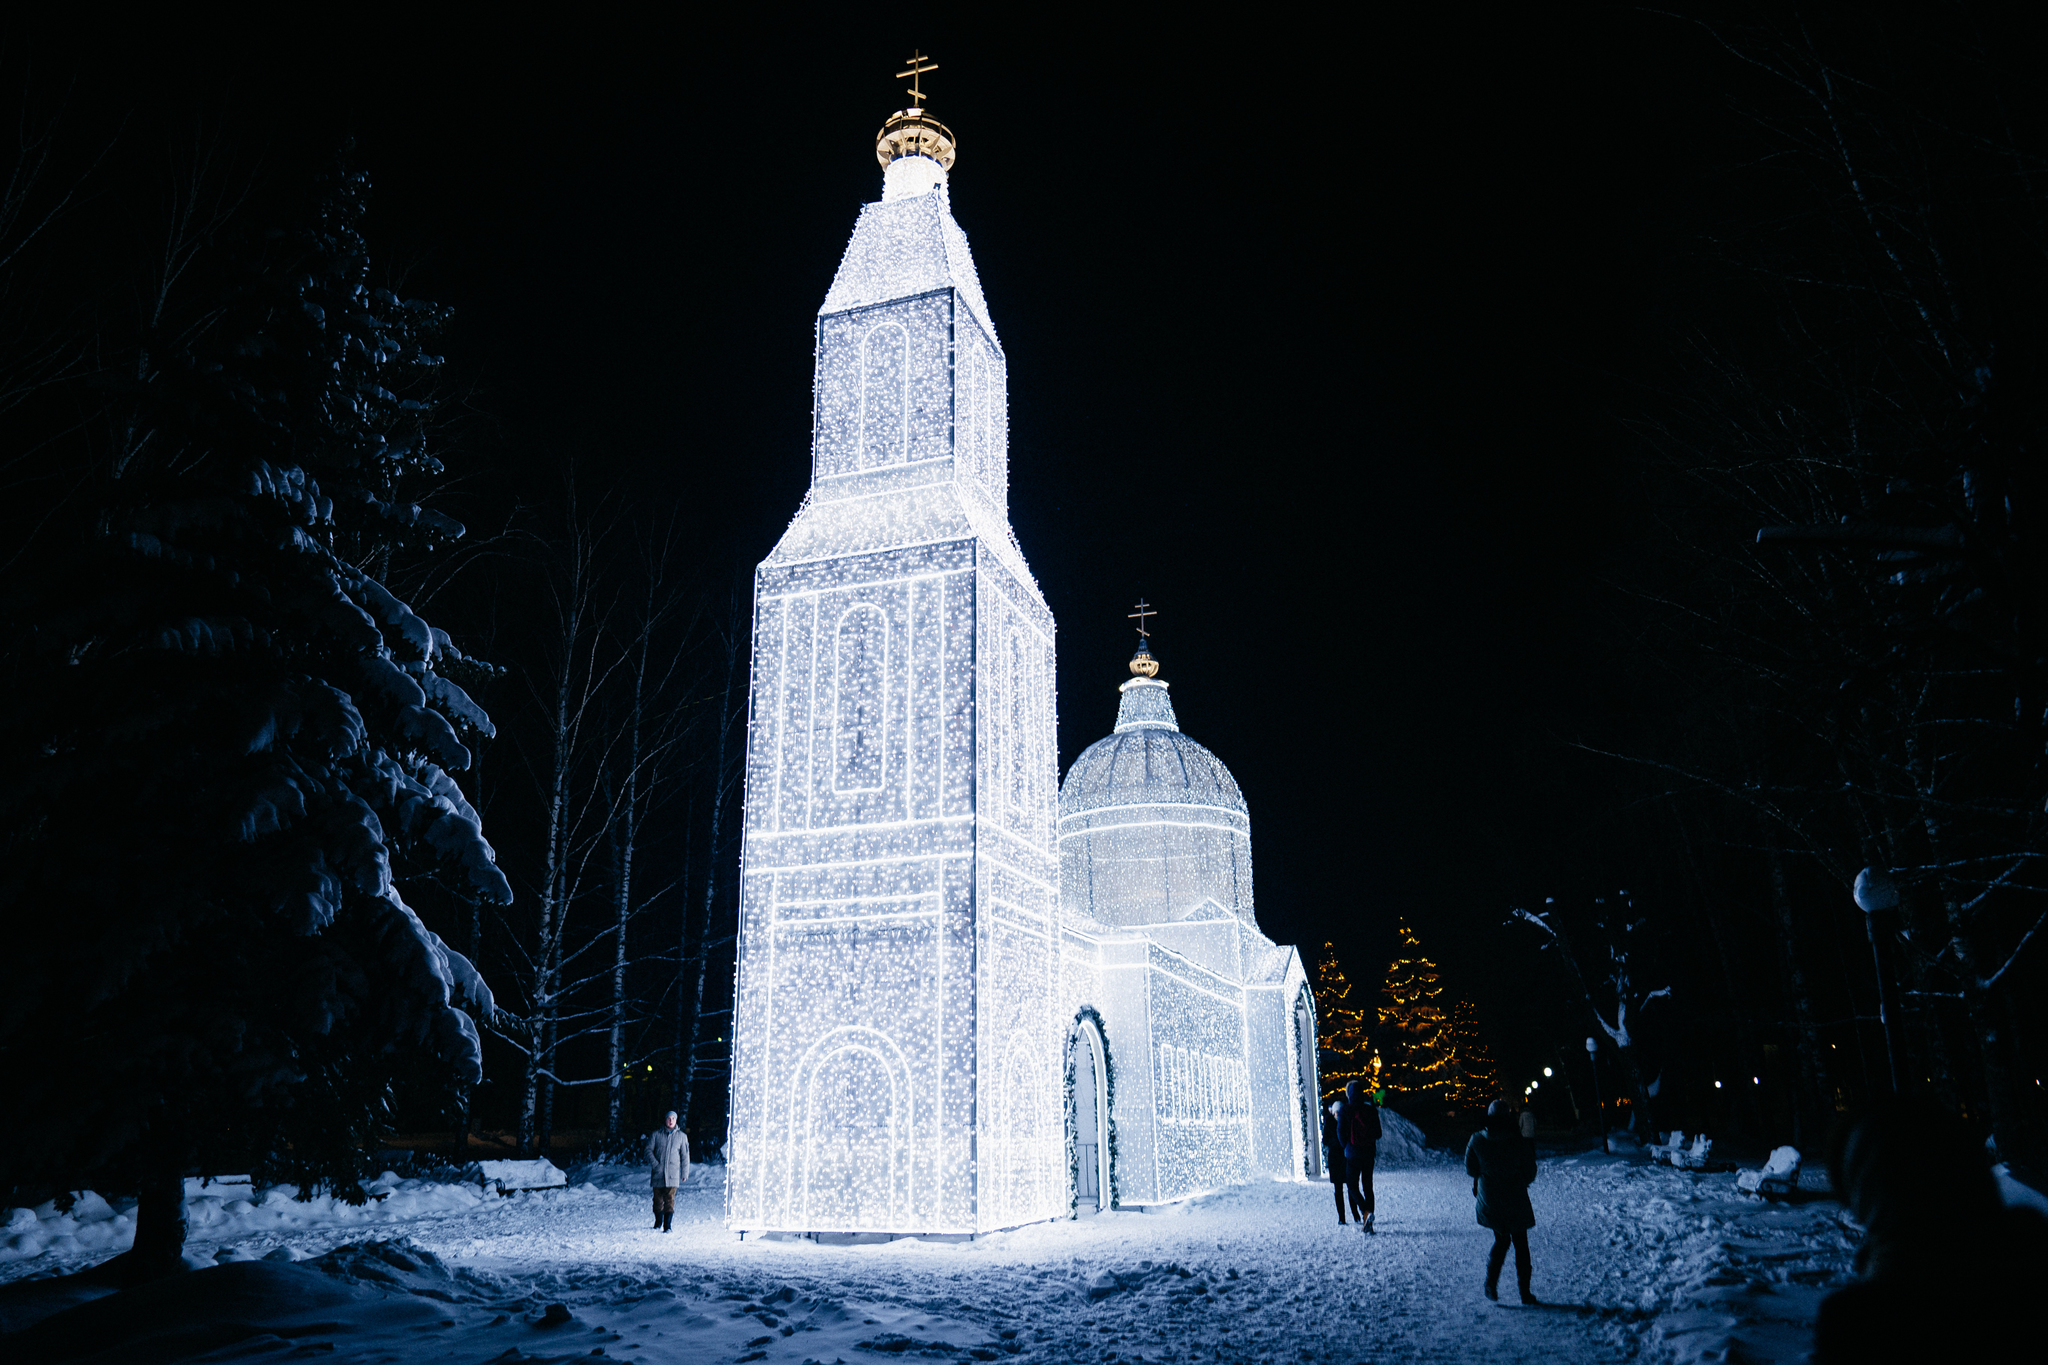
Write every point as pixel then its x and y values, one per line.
pixel 1875 890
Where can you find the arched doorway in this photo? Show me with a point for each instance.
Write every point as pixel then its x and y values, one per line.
pixel 1308 1087
pixel 1088 1114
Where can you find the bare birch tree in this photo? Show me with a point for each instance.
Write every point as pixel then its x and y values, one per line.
pixel 1619 993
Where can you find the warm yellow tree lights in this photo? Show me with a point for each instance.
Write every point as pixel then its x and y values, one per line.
pixel 1345 1027
pixel 1410 1044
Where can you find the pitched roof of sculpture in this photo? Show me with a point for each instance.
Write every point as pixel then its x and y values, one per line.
pixel 903 247
pixel 1148 762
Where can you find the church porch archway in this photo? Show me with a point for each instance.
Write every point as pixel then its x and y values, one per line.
pixel 1089 1145
pixel 1307 1086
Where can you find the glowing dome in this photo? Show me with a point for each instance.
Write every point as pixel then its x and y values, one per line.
pixel 1153 828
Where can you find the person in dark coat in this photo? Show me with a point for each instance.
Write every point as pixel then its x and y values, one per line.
pixel 1501 1163
pixel 1946 1270
pixel 1333 1153
pixel 668 1159
pixel 1360 1131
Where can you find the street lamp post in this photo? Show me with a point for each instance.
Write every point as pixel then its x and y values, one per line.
pixel 1875 891
pixel 1599 1109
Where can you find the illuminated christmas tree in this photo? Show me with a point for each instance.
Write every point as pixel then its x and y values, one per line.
pixel 1475 1082
pixel 1343 1027
pixel 1414 1036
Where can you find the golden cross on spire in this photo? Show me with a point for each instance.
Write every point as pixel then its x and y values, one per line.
pixel 1139 616
pixel 1143 665
pixel 919 65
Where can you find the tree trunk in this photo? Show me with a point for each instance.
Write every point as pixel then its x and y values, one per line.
pixel 625 827
pixel 1571 1092
pixel 529 1098
pixel 159 1248
pixel 1812 1093
pixel 1741 1033
pixel 1999 1091
pixel 694 1004
pixel 465 1119
pixel 2006 1121
pixel 615 1044
pixel 683 1018
pixel 547 1090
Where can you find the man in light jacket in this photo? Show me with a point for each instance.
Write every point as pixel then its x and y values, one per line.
pixel 668 1153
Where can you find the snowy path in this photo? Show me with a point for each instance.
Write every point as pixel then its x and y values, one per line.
pixel 1640 1263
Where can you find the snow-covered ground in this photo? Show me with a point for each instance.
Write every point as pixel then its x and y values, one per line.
pixel 1633 1261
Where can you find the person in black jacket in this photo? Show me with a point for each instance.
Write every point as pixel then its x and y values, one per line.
pixel 1333 1154
pixel 1362 1132
pixel 1501 1163
pixel 1351 1133
pixel 1946 1270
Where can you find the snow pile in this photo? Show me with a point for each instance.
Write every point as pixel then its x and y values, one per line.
pixel 2018 1193
pixel 1674 1150
pixel 1401 1142
pixel 90 1227
pixel 221 1212
pixel 1780 1174
pixel 516 1177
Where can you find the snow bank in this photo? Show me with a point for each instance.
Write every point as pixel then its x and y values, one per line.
pixel 90 1227
pixel 220 1212
pixel 516 1177
pixel 1780 1174
pixel 2018 1193
pixel 1401 1142
pixel 1655 1263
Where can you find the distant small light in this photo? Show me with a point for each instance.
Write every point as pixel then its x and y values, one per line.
pixel 1546 1071
pixel 1534 1084
pixel 1717 1085
pixel 1756 1080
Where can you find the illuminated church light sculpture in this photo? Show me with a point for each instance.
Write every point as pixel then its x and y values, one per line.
pixel 1207 1024
pixel 924 1040
pixel 896 1051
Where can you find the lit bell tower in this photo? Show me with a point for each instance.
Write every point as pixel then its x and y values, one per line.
pixel 896 1062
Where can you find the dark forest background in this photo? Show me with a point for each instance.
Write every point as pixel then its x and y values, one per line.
pixel 1434 380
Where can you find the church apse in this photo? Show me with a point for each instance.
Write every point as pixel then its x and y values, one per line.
pixel 1159 935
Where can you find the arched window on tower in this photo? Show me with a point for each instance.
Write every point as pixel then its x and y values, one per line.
pixel 1021 683
pixel 859 653
pixel 884 395
pixel 967 433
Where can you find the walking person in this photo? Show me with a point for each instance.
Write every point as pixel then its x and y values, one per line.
pixel 1351 1133
pixel 1501 1163
pixel 1362 1132
pixel 1333 1149
pixel 668 1153
pixel 1946 1270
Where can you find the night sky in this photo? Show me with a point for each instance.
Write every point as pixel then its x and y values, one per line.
pixel 1322 340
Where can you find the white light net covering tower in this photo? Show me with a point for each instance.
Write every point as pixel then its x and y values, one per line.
pixel 897 1049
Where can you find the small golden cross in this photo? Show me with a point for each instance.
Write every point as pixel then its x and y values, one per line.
pixel 919 64
pixel 1139 616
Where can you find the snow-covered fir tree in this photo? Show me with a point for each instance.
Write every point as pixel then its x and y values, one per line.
pixel 1344 1026
pixel 231 743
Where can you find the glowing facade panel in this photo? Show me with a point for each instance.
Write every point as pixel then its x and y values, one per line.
pixel 896 1046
